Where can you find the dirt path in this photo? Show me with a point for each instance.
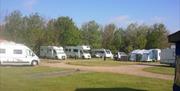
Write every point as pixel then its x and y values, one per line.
pixel 124 69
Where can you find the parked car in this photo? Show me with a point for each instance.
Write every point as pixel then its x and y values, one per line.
pixel 121 56
pixel 99 53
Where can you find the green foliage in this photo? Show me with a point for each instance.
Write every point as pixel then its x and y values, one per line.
pixel 157 37
pixel 108 35
pixel 34 31
pixel 91 34
pixel 68 32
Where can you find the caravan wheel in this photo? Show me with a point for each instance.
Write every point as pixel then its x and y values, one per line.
pixel 34 63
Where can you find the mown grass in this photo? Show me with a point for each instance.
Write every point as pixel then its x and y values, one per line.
pixel 161 70
pixel 98 62
pixel 19 79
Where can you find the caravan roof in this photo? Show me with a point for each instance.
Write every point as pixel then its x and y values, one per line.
pixel 7 44
pixel 140 51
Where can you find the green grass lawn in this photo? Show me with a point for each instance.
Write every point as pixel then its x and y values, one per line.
pixel 98 62
pixel 161 70
pixel 24 79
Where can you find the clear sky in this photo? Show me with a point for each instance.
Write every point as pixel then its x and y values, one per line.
pixel 120 12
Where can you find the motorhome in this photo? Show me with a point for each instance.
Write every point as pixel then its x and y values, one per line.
pixel 78 51
pixel 168 56
pixel 53 52
pixel 102 53
pixel 17 54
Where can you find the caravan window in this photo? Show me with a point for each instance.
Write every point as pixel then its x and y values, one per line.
pixel 42 50
pixel 66 50
pixel 69 50
pixel 17 51
pixel 2 51
pixel 108 52
pixel 86 51
pixel 75 50
pixel 54 51
pixel 49 50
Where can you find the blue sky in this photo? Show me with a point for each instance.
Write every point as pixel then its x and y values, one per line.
pixel 120 12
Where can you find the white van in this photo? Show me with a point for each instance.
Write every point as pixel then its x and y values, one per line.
pixel 101 53
pixel 17 54
pixel 52 52
pixel 78 51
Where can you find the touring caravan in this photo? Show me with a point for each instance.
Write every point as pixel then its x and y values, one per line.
pixel 17 54
pixel 136 55
pixel 168 56
pixel 78 51
pixel 54 52
pixel 145 55
pixel 156 54
pixel 101 53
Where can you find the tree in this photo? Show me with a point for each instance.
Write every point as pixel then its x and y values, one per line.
pixel 141 39
pixel 118 40
pixel 157 37
pixel 131 37
pixel 34 34
pixel 108 35
pixel 34 31
pixel 52 35
pixel 68 32
pixel 13 26
pixel 91 34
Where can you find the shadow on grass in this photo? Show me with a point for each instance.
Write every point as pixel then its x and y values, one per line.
pixel 108 89
pixel 156 65
pixel 28 66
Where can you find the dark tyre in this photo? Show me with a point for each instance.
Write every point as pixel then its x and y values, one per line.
pixel 34 63
pixel 56 57
pixel 83 57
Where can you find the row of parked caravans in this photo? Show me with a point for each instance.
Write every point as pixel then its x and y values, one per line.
pixel 73 51
pixel 18 54
pixel 12 53
pixel 165 56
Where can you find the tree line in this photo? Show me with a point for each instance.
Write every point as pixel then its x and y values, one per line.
pixel 33 30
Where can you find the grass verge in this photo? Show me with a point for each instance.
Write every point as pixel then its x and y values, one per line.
pixel 160 70
pixel 17 79
pixel 98 62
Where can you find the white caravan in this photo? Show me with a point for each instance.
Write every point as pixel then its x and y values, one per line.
pixel 145 55
pixel 78 51
pixel 17 54
pixel 156 54
pixel 52 52
pixel 101 53
pixel 168 56
pixel 136 55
